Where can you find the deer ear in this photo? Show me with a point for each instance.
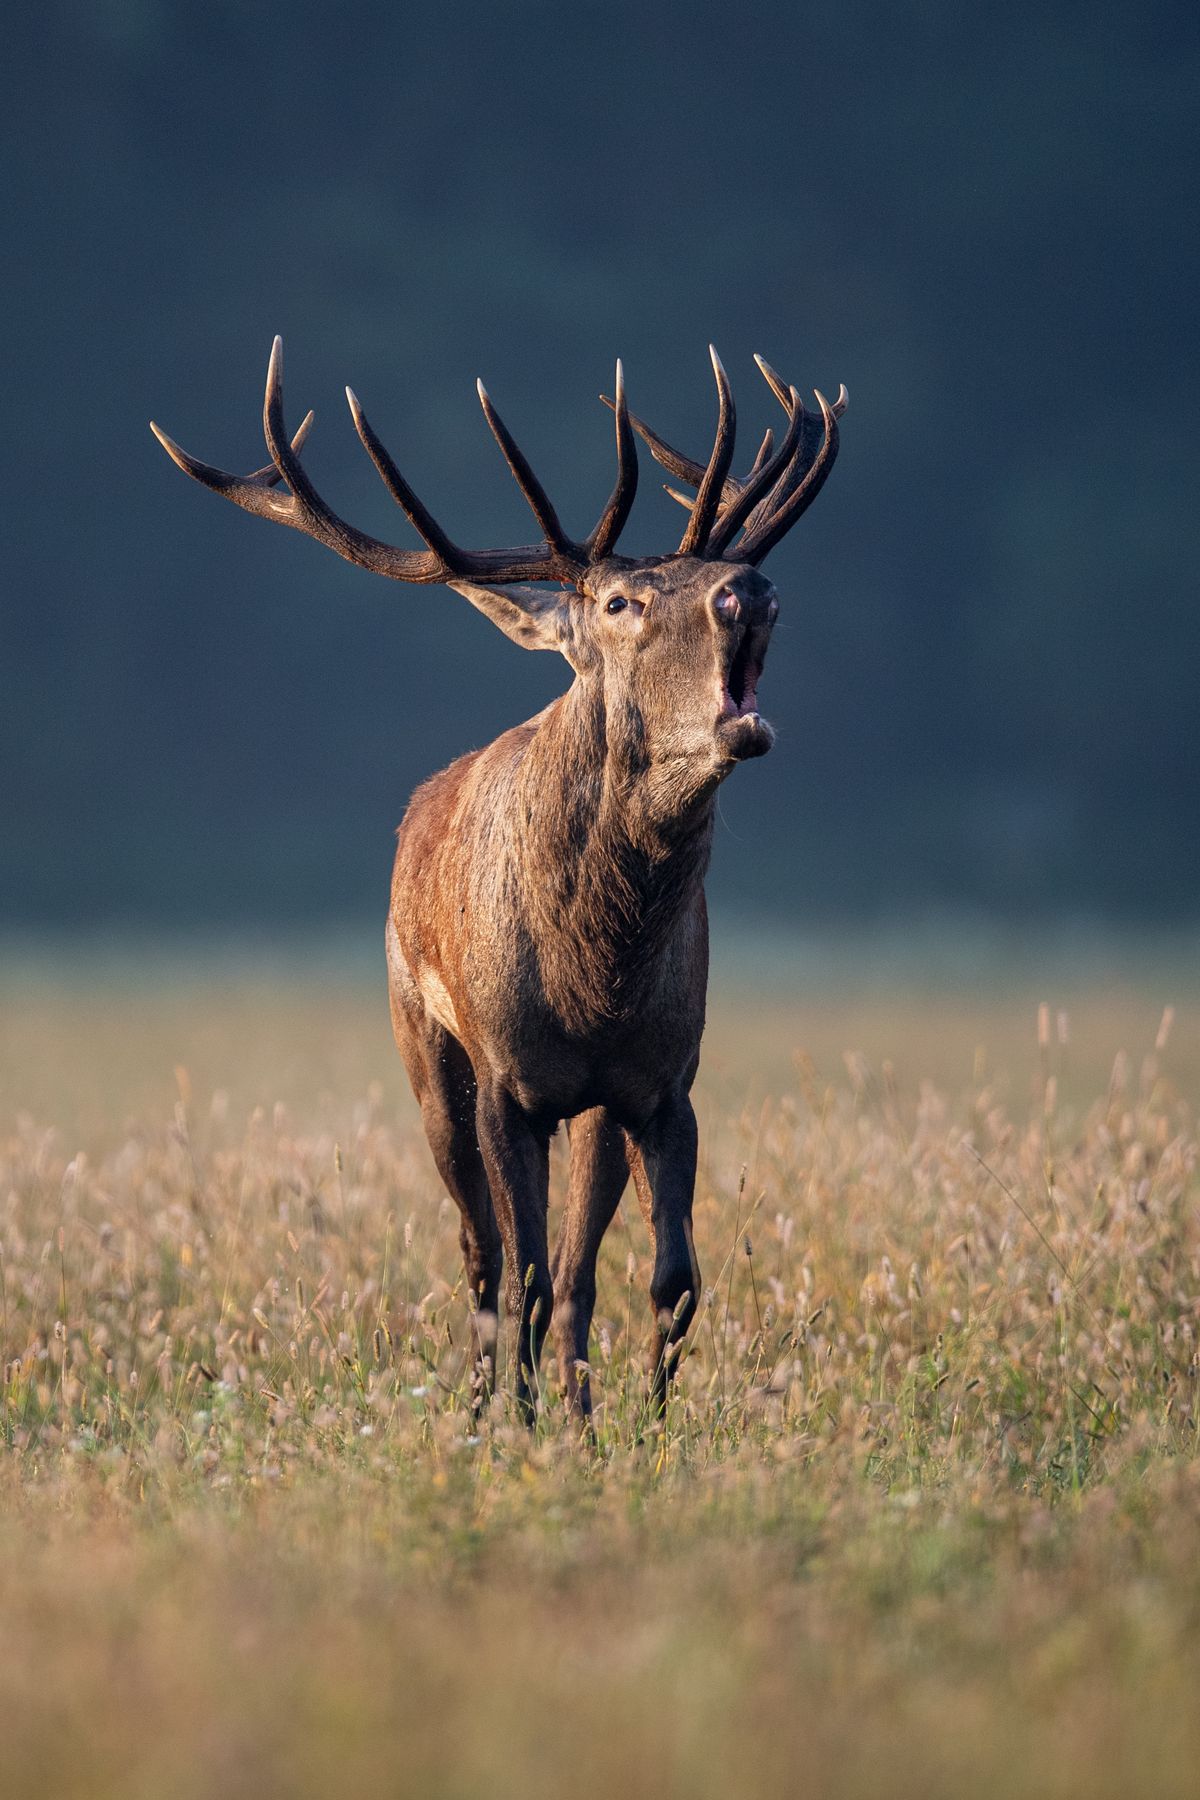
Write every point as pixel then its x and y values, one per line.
pixel 536 618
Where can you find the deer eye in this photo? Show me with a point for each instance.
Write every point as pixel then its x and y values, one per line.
pixel 617 604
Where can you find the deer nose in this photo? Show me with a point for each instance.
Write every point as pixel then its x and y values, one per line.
pixel 728 606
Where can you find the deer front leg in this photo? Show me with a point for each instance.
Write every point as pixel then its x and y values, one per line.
pixel 516 1155
pixel 663 1161
pixel 599 1172
pixel 443 1081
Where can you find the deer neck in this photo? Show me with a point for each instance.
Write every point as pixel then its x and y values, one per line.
pixel 616 864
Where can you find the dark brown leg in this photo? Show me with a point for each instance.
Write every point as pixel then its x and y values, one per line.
pixel 663 1161
pixel 516 1155
pixel 599 1172
pixel 443 1081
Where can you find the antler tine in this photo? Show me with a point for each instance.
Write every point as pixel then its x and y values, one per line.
pixel 764 451
pixel 712 485
pixel 286 461
pixel 220 480
pixel 767 533
pixel 417 513
pixel 776 383
pixel 539 501
pixel 612 520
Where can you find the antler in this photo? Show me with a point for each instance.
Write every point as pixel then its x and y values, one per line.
pixel 778 488
pixel 557 558
pixel 781 485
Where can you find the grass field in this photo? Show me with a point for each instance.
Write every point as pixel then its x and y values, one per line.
pixel 923 1519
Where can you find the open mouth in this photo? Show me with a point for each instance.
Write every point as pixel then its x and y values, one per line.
pixel 739 691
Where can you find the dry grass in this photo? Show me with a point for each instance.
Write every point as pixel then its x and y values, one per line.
pixel 924 1514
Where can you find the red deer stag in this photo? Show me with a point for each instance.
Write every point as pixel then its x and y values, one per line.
pixel 547 940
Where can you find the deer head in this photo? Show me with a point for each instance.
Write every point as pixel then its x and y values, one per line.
pixel 674 644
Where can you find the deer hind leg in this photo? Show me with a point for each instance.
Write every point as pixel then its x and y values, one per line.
pixel 599 1172
pixel 516 1155
pixel 663 1161
pixel 443 1082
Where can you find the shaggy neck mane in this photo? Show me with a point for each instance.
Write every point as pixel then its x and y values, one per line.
pixel 609 879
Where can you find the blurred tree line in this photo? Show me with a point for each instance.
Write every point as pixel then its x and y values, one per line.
pixel 982 220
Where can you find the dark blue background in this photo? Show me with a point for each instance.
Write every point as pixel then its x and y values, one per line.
pixel 982 220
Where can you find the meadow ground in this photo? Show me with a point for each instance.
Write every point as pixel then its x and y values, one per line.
pixel 923 1518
